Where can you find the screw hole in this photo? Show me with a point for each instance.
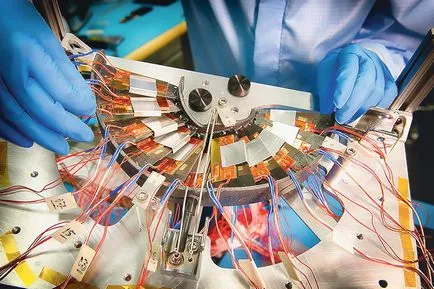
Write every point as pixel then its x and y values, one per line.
pixel 127 277
pixel 34 174
pixel 380 139
pixel 190 259
pixel 16 230
pixel 382 283
pixel 78 244
pixel 235 109
pixel 360 236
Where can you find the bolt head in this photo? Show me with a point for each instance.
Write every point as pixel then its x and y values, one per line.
pixel 351 151
pixel 222 101
pixel 176 259
pixel 78 244
pixel 380 139
pixel 16 230
pixel 142 196
pixel 154 201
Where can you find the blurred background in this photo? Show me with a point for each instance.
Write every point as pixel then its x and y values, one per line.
pixel 146 30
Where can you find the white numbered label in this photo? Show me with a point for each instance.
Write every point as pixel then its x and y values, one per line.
pixel 61 203
pixel 82 263
pixel 70 231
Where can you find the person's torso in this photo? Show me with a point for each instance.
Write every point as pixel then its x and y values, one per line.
pixel 275 42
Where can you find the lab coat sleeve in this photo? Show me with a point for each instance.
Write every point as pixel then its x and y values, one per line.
pixel 413 18
pixel 395 58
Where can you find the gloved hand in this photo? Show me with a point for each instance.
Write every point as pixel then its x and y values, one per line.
pixel 41 93
pixel 351 80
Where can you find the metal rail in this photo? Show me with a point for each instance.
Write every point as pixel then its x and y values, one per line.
pixel 416 82
pixel 50 10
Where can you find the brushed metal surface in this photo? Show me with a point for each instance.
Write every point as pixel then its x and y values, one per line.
pixel 125 246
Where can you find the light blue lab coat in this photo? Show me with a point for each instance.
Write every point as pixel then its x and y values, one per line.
pixel 280 42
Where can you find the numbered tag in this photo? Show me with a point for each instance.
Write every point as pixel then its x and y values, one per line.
pixel 70 231
pixel 82 263
pixel 61 203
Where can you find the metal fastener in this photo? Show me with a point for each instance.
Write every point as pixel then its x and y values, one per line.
pixel 176 259
pixel 127 277
pixel 222 101
pixel 193 248
pixel 15 230
pixel 141 196
pixel 78 244
pixel 154 201
pixel 351 151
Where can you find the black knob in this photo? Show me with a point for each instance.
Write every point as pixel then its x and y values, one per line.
pixel 239 85
pixel 200 99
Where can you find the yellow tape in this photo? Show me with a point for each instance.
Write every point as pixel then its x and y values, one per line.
pixel 23 270
pixel 51 276
pixel 120 287
pixel 158 42
pixel 133 287
pixel 79 285
pixel 4 178
pixel 405 221
pixel 55 278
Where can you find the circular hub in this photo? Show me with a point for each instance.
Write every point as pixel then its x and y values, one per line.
pixel 239 85
pixel 200 99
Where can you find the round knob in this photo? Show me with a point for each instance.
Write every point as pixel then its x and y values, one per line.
pixel 239 85
pixel 200 99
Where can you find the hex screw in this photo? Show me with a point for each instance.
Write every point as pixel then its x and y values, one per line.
pixel 351 151
pixel 176 259
pixel 142 196
pixel 222 101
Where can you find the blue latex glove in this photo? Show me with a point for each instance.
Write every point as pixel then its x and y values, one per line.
pixel 351 80
pixel 41 93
